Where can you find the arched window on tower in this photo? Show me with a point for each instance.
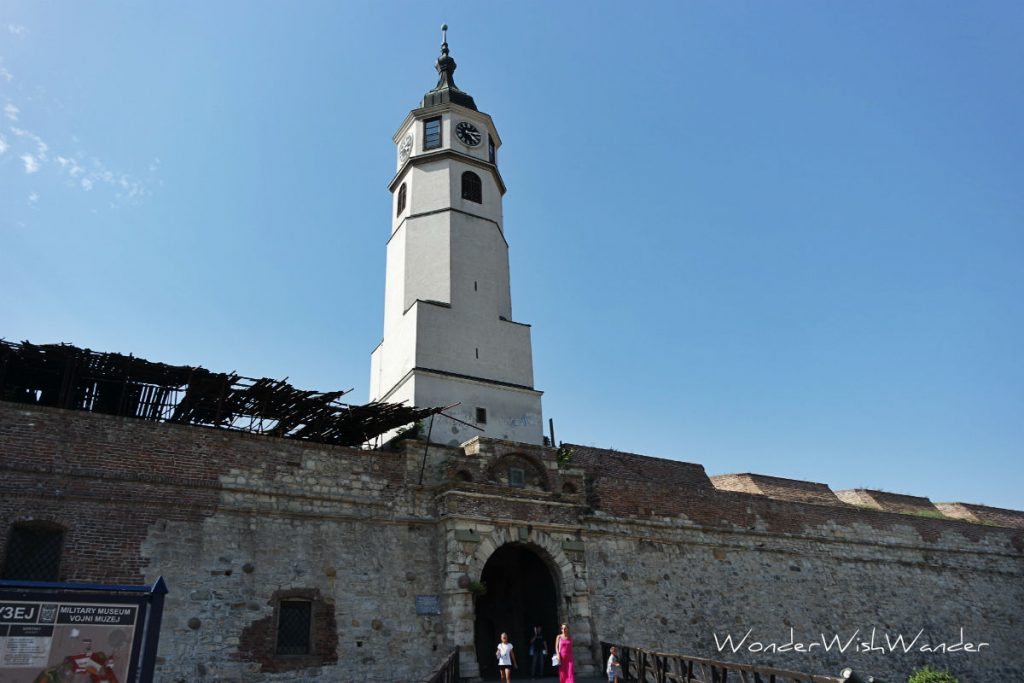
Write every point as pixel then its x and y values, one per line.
pixel 400 207
pixel 472 189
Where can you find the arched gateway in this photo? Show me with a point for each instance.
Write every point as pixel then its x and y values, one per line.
pixel 521 594
pixel 531 576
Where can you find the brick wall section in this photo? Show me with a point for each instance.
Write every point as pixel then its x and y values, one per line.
pixel 58 465
pixel 257 641
pixel 634 486
pixel 476 500
pixel 777 487
pixel 741 483
pixel 487 463
pixel 673 589
pixel 230 519
pixel 858 497
pixel 890 502
pixel 61 470
pixel 983 514
pixel 140 499
pixel 604 463
pixel 898 502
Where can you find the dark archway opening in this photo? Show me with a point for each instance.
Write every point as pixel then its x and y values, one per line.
pixel 520 595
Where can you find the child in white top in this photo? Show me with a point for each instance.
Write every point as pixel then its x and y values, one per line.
pixel 506 659
pixel 614 669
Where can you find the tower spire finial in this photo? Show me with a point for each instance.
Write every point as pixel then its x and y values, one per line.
pixel 446 90
pixel 445 64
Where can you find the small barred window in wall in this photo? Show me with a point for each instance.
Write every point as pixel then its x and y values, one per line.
pixel 293 627
pixel 33 552
pixel 516 476
pixel 401 200
pixel 481 415
pixel 472 189
pixel 432 133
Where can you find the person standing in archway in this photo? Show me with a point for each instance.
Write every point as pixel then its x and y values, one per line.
pixel 563 646
pixel 506 659
pixel 538 653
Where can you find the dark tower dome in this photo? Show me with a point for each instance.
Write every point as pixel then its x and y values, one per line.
pixel 446 91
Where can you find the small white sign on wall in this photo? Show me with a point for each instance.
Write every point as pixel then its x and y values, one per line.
pixel 428 604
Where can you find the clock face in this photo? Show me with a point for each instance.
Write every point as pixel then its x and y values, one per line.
pixel 405 149
pixel 468 134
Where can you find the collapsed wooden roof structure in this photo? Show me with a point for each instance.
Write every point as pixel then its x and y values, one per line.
pixel 65 376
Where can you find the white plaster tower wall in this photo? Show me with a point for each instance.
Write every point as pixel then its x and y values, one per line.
pixel 449 336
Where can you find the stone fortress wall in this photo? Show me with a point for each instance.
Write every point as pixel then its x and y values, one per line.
pixel 643 551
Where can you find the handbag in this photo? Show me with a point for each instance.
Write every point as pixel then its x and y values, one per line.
pixel 554 660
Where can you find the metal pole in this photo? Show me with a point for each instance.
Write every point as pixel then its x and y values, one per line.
pixel 151 634
pixel 426 446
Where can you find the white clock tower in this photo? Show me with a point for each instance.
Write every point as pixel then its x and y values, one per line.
pixel 449 336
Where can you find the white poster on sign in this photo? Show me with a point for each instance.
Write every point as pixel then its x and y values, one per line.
pixel 54 641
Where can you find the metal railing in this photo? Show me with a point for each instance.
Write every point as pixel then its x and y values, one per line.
pixel 645 666
pixel 446 672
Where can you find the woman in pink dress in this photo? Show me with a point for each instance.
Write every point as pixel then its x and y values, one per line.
pixel 563 646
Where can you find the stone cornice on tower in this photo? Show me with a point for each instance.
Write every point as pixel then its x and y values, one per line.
pixel 434 155
pixel 405 220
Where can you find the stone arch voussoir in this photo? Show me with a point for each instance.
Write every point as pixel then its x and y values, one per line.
pixel 552 554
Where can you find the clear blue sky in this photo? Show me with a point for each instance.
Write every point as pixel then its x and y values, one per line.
pixel 779 237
